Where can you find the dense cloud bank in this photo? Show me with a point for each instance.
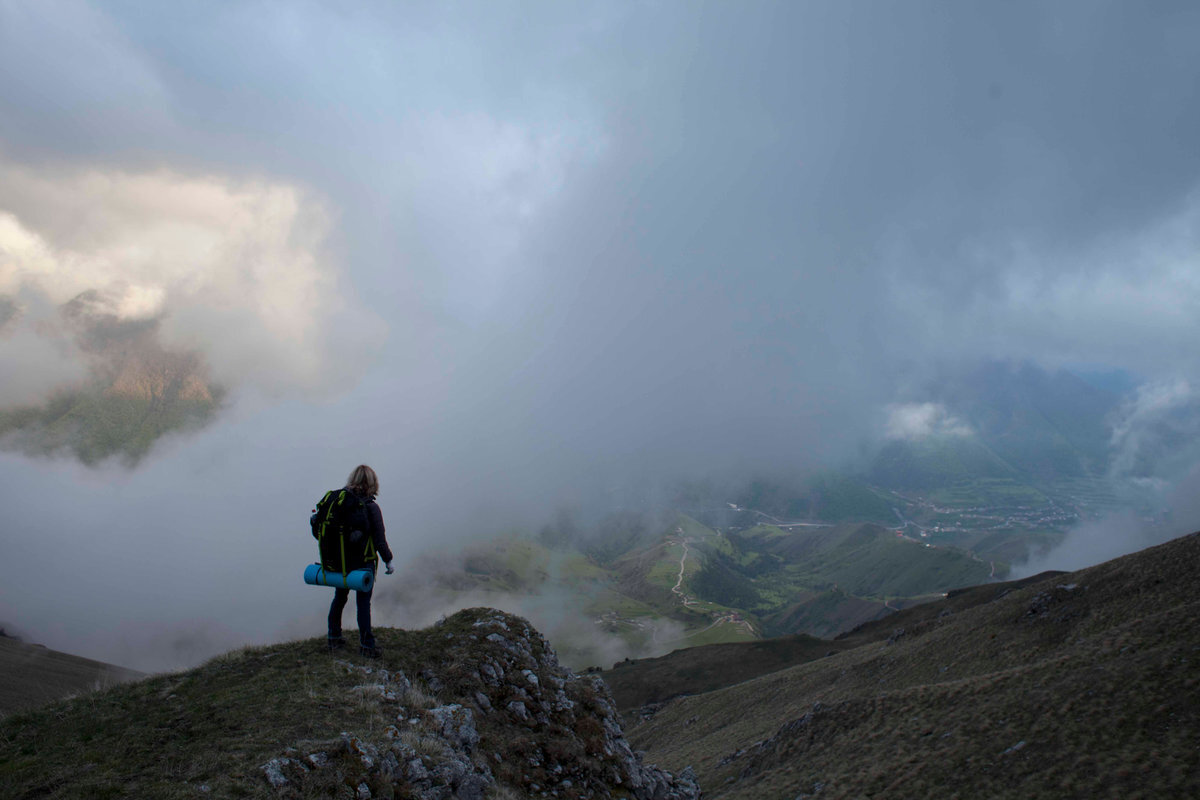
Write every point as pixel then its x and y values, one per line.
pixel 231 269
pixel 519 257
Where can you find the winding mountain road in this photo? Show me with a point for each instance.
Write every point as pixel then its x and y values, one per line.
pixel 732 618
pixel 677 589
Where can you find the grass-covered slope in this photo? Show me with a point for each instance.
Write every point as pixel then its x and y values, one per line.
pixel 694 670
pixel 826 614
pixel 862 560
pixel 826 495
pixel 31 675
pixel 936 461
pixel 474 707
pixel 1078 685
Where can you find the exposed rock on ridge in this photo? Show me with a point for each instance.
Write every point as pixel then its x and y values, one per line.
pixel 495 710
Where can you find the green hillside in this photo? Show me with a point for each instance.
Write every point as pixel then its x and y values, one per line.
pixel 1048 425
pixel 824 496
pixel 863 560
pixel 825 614
pixel 936 462
pixel 1023 438
pixel 689 584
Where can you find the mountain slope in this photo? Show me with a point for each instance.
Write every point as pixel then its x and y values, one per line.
pixel 33 675
pixel 703 669
pixel 1079 685
pixel 474 707
pixel 935 462
pixel 864 560
pixel 1047 424
pixel 1017 421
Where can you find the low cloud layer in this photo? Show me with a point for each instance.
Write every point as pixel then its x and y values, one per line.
pixel 430 588
pixel 913 421
pixel 1156 435
pixel 1123 532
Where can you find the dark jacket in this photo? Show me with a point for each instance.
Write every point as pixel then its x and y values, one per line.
pixel 375 523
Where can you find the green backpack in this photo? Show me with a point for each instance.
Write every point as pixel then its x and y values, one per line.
pixel 343 532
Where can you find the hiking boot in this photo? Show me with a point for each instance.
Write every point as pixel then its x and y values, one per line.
pixel 336 643
pixel 369 650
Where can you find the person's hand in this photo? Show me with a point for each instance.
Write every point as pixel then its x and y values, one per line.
pixel 387 568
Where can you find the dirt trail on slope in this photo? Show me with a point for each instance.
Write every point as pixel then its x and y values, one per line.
pixel 732 618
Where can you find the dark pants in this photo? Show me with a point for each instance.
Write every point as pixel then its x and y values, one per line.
pixel 363 600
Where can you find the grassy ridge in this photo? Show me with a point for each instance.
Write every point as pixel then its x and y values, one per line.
pixel 702 669
pixel 705 668
pixel 486 697
pixel 168 735
pixel 1077 685
pixel 34 675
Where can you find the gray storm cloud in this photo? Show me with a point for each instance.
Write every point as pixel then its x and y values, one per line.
pixel 510 255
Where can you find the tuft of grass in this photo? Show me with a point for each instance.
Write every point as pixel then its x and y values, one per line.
pixel 418 696
pixel 427 746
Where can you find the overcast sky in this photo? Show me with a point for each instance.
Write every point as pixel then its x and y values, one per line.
pixel 518 254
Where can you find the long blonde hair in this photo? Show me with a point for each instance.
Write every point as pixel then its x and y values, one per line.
pixel 363 479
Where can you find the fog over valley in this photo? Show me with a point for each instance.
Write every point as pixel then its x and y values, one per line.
pixel 562 272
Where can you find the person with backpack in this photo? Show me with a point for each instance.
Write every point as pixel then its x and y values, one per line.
pixel 358 521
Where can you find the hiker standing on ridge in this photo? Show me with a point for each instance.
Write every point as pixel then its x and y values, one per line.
pixel 364 484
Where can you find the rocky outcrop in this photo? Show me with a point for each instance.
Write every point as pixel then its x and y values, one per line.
pixel 493 709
